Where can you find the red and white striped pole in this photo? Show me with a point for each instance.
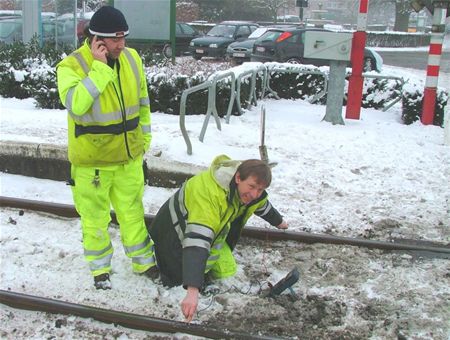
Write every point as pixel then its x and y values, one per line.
pixel 356 80
pixel 434 60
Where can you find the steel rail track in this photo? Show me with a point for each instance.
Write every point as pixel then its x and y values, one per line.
pixel 129 320
pixel 67 210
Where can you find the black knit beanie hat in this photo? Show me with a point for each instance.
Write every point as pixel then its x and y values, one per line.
pixel 108 22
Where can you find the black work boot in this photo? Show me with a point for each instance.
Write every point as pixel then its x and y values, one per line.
pixel 102 281
pixel 152 273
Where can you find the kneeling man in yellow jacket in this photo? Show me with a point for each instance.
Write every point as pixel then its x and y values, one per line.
pixel 196 230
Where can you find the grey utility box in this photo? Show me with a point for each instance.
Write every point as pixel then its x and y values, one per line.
pixel 328 45
pixel 336 48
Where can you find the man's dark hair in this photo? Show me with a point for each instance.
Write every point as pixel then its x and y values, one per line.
pixel 256 168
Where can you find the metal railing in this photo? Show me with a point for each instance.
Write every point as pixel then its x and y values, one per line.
pixel 235 94
pixel 211 86
pixel 252 99
pixel 395 100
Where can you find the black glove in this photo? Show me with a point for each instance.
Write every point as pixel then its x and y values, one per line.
pixel 146 173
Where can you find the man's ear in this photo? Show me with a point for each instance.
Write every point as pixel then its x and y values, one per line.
pixel 237 177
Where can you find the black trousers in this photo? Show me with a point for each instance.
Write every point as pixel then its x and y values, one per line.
pixel 168 248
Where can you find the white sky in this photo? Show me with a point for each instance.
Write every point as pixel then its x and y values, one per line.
pixel 343 179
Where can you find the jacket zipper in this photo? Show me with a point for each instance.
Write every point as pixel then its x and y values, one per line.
pixel 122 109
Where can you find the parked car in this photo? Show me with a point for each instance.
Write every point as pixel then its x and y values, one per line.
pixel 52 31
pixel 10 30
pixel 216 41
pixel 184 33
pixel 287 45
pixel 241 51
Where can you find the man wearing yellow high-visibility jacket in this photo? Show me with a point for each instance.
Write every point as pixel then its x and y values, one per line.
pixel 196 230
pixel 103 87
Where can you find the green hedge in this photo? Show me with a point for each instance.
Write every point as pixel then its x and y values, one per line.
pixel 412 101
pixel 29 71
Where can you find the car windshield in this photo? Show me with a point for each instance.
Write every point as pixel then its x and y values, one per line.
pixel 269 36
pixel 7 27
pixel 226 31
pixel 258 32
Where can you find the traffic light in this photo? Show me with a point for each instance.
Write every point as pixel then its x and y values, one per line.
pixel 418 5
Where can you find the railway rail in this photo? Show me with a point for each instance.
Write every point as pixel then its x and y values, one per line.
pixel 425 247
pixel 129 320
pixel 152 324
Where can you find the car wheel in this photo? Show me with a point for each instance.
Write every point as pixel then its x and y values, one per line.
pixel 197 57
pixel 369 64
pixel 294 60
pixel 167 51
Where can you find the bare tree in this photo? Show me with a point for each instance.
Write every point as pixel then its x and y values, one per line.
pixel 403 10
pixel 272 6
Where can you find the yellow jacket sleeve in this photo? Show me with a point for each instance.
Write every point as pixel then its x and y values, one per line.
pixel 71 80
pixel 144 111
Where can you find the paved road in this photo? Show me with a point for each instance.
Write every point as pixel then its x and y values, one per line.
pixel 415 59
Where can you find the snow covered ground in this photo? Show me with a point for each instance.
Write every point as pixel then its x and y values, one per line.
pixel 373 178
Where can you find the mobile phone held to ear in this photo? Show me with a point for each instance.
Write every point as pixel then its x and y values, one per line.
pixel 96 38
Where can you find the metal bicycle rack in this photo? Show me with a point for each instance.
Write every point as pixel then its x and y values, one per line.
pixel 211 86
pixel 235 94
pixel 394 101
pixel 252 98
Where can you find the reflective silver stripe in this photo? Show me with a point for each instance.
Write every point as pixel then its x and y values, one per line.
pixel 218 246
pixel 265 209
pixel 173 213
pixel 200 229
pixel 131 110
pixel 96 109
pixel 143 260
pixel 69 99
pixel 174 218
pixel 144 101
pixel 137 247
pixel 195 242
pixel 213 257
pixel 97 252
pixel 208 266
pixel 100 263
pixel 179 233
pixel 181 200
pixel 110 35
pixel 98 117
pixel 134 67
pixel 81 61
pixel 90 86
pixel 146 128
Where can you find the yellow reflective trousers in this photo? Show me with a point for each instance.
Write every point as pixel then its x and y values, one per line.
pixel 95 189
pixel 225 266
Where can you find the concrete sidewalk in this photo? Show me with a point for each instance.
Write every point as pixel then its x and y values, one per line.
pixel 50 162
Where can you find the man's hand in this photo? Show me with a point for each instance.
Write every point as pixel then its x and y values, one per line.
pixel 189 303
pixel 282 225
pixel 98 49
